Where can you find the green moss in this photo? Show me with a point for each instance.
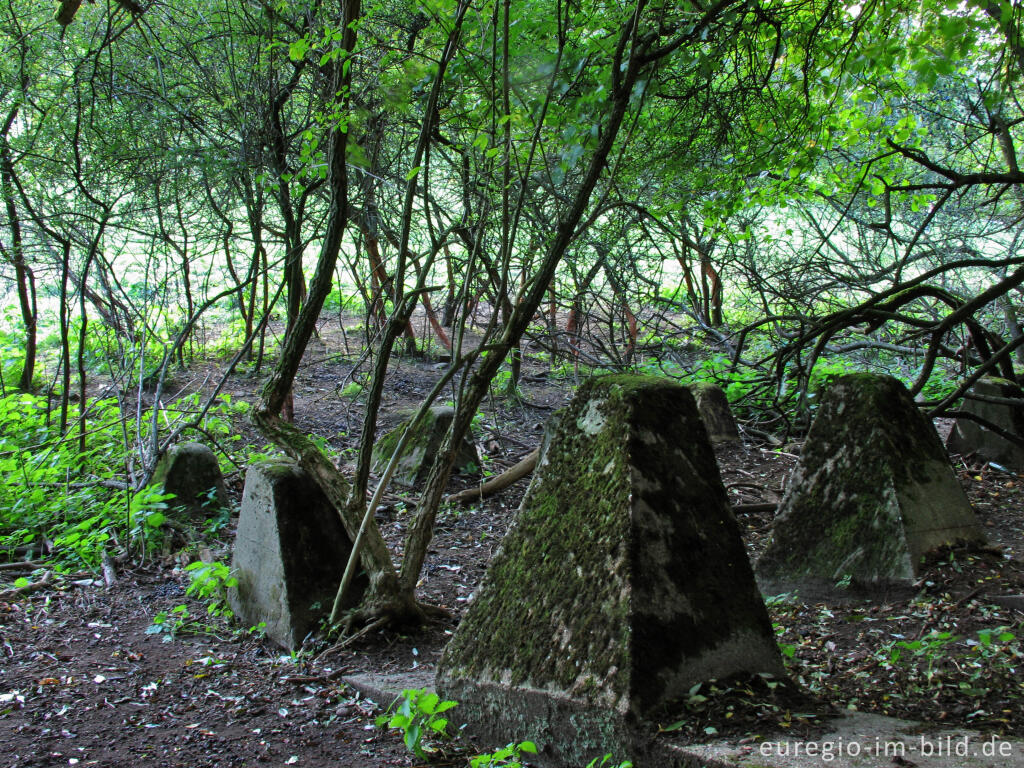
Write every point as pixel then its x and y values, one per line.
pixel 618 523
pixel 425 439
pixel 577 521
pixel 867 441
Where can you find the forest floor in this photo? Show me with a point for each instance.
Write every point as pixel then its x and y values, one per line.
pixel 84 680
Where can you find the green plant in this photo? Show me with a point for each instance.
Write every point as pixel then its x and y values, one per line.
pixel 168 624
pixel 931 648
pixel 417 714
pixel 146 516
pixel 509 756
pixel 210 582
pixel 606 762
pixel 353 390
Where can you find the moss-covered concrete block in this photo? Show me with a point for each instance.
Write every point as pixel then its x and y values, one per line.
pixel 970 437
pixel 622 583
pixel 425 441
pixel 872 493
pixel 289 554
pixel 191 472
pixel 714 410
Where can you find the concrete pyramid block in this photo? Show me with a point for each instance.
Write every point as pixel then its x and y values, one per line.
pixel 970 437
pixel 873 492
pixel 191 472
pixel 714 410
pixel 422 447
pixel 622 583
pixel 289 554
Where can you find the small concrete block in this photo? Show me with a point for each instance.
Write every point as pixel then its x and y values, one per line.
pixel 191 472
pixel 422 447
pixel 970 437
pixel 713 406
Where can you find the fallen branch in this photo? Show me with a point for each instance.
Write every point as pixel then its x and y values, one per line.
pixel 44 581
pixel 497 483
pixel 21 565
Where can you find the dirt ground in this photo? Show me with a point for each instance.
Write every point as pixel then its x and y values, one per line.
pixel 82 682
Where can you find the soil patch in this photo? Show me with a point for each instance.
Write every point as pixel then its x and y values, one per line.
pixel 84 681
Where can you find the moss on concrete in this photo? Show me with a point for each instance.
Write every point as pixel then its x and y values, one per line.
pixel 872 492
pixel 623 580
pixel 428 433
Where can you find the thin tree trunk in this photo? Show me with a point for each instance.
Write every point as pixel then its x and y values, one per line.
pixel 422 530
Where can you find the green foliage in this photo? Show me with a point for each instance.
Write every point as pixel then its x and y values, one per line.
pixel 52 490
pixel 996 649
pixel 509 756
pixel 210 582
pixel 146 516
pixel 42 474
pixel 608 762
pixel 417 714
pixel 352 390
pixel 169 624
pixel 745 387
pixel 502 385
pixel 931 648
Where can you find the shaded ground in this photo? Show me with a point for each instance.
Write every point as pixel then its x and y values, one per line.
pixel 83 682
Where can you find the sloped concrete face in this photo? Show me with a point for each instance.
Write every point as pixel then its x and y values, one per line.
pixel 191 472
pixel 714 410
pixel 970 437
pixel 622 582
pixel 873 492
pixel 289 554
pixel 425 441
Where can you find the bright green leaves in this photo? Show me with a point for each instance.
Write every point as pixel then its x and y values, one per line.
pixel 297 50
pixel 417 714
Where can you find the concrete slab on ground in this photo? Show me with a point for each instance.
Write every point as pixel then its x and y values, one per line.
pixel 854 740
pixel 384 688
pixel 862 740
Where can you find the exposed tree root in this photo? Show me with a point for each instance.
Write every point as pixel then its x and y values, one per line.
pixel 380 615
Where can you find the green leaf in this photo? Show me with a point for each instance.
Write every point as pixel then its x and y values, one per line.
pixel 674 727
pixel 413 173
pixel 297 50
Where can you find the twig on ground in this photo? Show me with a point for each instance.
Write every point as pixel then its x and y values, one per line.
pixel 45 581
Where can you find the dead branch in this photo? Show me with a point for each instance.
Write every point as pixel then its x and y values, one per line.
pixel 497 483
pixel 45 581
